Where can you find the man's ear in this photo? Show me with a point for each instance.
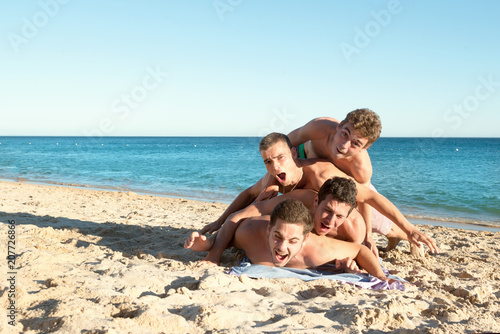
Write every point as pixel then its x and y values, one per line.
pixel 316 202
pixel 294 153
pixel 305 238
pixel 268 230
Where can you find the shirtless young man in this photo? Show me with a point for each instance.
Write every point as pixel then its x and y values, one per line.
pixel 281 162
pixel 283 170
pixel 283 181
pixel 284 239
pixel 292 174
pixel 330 208
pixel 345 144
pixel 275 148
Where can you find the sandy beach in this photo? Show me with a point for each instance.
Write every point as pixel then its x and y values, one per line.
pixel 112 262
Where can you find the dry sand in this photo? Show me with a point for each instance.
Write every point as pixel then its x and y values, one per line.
pixel 112 262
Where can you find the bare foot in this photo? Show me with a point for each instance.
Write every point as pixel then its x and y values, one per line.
pixel 417 251
pixel 198 242
pixel 392 243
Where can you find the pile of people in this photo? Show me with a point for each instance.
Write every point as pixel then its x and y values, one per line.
pixel 315 205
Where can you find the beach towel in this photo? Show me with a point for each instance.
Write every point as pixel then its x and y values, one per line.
pixel 365 281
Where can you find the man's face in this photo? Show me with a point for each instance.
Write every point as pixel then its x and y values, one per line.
pixel 347 142
pixel 329 214
pixel 280 163
pixel 285 241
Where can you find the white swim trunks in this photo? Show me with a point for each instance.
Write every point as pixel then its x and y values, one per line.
pixel 380 223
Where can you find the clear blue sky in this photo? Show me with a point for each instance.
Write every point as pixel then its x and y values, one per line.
pixel 245 68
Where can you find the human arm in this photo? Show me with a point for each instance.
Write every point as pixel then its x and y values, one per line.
pixel 348 265
pixel 366 212
pixel 228 229
pixel 388 209
pixel 244 199
pixel 315 129
pixel 325 250
pixel 360 168
pixel 269 190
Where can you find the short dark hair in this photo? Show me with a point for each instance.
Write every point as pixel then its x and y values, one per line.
pixel 342 189
pixel 292 211
pixel 273 138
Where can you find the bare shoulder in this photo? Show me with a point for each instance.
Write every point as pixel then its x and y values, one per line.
pixel 320 170
pixel 323 124
pixel 326 121
pixel 306 196
pixel 315 163
pixel 251 231
pixel 318 167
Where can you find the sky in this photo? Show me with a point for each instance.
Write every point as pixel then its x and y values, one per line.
pixel 247 68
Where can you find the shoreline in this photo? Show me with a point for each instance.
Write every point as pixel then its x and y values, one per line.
pixel 452 223
pixel 110 261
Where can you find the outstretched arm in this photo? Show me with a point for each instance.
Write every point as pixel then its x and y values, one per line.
pixel 321 250
pixel 388 209
pixel 228 229
pixel 314 129
pixel 244 199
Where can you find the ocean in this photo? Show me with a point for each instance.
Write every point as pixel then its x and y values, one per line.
pixel 437 179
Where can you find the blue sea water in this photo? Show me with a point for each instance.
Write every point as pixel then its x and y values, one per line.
pixel 448 179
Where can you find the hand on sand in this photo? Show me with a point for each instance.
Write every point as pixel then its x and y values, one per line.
pixel 348 265
pixel 417 238
pixel 391 280
pixel 211 228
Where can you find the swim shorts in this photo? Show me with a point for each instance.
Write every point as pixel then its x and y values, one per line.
pixel 380 223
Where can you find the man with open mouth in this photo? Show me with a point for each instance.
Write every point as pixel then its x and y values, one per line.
pixel 345 145
pixel 301 179
pixel 330 208
pixel 284 239
pixel 283 172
